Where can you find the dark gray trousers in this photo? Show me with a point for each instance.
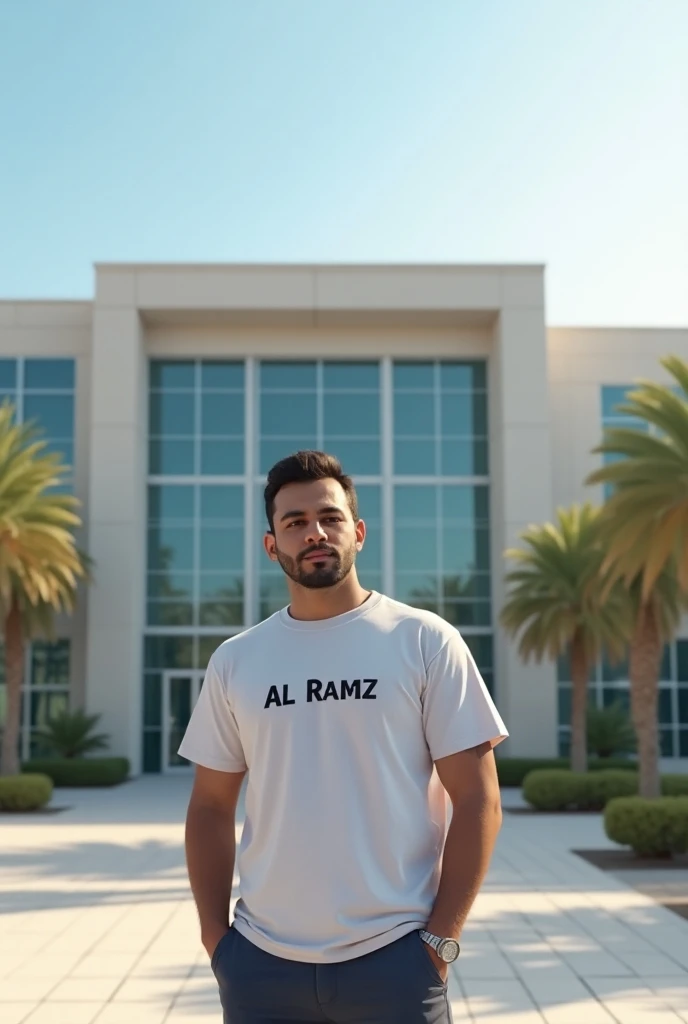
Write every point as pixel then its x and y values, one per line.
pixel 398 984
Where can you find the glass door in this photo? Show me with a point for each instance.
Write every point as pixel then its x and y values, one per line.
pixel 180 693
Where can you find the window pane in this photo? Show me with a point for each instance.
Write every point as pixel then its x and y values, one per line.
pixel 169 613
pixel 612 673
pixel 462 586
pixel 465 503
pixel 45 706
pixel 417 504
pixel 171 413
pixel 415 549
pixel 414 458
pixel 464 415
pixel 481 648
pixel 8 374
pixel 463 458
pixel 171 502
pixel 273 594
pixel 172 375
pixel 221 586
pixel 222 503
pixel 682 660
pixel 463 376
pixel 467 613
pixel 369 503
pixel 664 708
pixel 665 667
pixel 222 458
pixel 168 652
pixel 222 376
pixel 564 705
pixel 613 396
pixel 171 457
pixel 287 375
pixel 222 548
pixel 617 695
pixel 683 705
pixel 51 374
pixel 414 415
pixel 207 645
pixel 50 663
pixel 351 415
pixel 414 376
pixel 54 413
pixel 152 699
pixel 351 375
pixel 152 748
pixel 465 548
pixel 371 556
pixel 411 587
pixel 170 547
pixel 683 743
pixel 221 613
pixel 291 414
pixel 272 451
pixel 170 585
pixel 666 742
pixel 358 458
pixel 222 414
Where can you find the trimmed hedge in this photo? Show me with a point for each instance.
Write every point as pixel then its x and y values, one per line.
pixel 561 790
pixel 24 792
pixel 81 771
pixel 653 828
pixel 513 770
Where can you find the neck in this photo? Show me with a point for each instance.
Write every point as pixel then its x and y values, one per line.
pixel 326 602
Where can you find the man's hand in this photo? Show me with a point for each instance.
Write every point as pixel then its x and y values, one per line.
pixel 212 938
pixel 441 965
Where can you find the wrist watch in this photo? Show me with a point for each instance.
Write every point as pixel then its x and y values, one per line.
pixel 446 949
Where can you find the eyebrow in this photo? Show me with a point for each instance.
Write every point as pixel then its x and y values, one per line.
pixel 298 512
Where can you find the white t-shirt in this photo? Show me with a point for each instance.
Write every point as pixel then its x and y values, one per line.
pixel 338 722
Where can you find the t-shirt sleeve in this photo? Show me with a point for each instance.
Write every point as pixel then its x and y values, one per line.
pixel 212 736
pixel 458 711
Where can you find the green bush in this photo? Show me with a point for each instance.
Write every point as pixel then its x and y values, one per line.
pixel 70 734
pixel 609 731
pixel 561 789
pixel 651 827
pixel 674 785
pixel 24 792
pixel 81 771
pixel 513 770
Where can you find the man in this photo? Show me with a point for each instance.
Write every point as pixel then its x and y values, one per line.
pixel 353 891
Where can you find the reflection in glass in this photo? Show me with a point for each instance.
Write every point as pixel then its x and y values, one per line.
pixel 347 415
pixel 180 713
pixel 171 457
pixel 414 415
pixel 463 376
pixel 170 548
pixel 463 458
pixel 222 458
pixel 171 413
pixel 222 503
pixel 351 376
pixel 170 502
pixel 50 663
pixel 414 458
pixel 54 414
pixel 222 376
pixel 221 548
pixel 175 374
pixel 464 415
pixel 222 415
pixel 288 413
pixel 286 376
pixel 358 458
pixel 49 374
pixel 413 376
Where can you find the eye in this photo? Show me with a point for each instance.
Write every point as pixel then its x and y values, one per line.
pixel 295 522
pixel 333 519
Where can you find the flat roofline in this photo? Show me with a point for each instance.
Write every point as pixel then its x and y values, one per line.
pixel 46 302
pixel 314 267
pixel 627 329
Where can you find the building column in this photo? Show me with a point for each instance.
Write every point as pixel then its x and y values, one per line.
pixel 116 515
pixel 522 495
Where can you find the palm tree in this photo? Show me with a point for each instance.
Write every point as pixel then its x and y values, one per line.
pixel 40 564
pixel 645 529
pixel 556 602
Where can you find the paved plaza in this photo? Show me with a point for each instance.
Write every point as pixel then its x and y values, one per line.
pixel 97 925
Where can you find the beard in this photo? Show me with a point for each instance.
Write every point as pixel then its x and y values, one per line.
pixel 313 576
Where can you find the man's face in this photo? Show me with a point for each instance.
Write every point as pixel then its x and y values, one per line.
pixel 315 539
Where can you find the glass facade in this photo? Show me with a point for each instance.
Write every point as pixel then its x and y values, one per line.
pixel 45 692
pixel 412 434
pixel 609 683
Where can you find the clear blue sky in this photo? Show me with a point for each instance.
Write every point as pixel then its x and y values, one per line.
pixel 551 131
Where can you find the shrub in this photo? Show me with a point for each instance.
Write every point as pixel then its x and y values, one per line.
pixel 651 827
pixel 609 731
pixel 70 734
pixel 24 792
pixel 560 789
pixel 81 771
pixel 513 770
pixel 674 785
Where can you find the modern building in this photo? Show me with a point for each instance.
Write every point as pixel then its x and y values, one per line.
pixel 462 417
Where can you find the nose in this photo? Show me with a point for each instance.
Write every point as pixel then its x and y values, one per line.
pixel 315 534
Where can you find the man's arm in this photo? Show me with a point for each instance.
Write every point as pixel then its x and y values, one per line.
pixel 470 779
pixel 211 849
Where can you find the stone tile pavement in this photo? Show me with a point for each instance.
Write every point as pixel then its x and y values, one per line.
pixel 97 925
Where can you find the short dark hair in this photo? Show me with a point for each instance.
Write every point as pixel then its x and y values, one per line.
pixel 303 466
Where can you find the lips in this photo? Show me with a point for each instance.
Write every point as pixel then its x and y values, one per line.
pixel 317 556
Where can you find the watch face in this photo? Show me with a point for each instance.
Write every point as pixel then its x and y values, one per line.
pixel 449 950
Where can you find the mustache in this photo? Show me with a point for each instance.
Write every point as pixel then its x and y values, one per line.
pixel 314 551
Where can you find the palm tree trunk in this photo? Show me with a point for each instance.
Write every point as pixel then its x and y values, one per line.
pixel 580 673
pixel 14 677
pixel 645 657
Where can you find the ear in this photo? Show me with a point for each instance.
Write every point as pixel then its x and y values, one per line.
pixel 360 534
pixel 269 544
